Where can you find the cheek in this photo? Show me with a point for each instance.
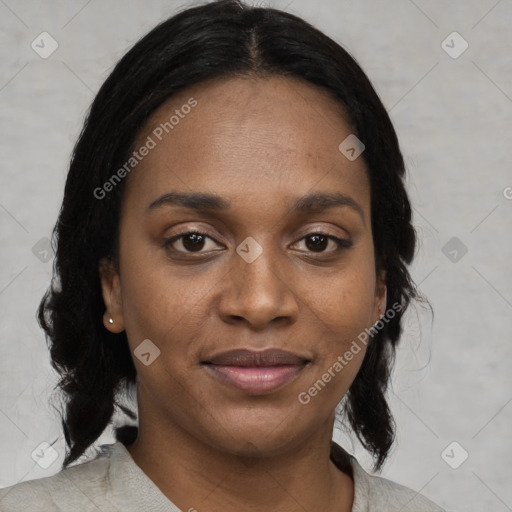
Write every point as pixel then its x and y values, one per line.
pixel 165 306
pixel 149 303
pixel 343 310
pixel 345 301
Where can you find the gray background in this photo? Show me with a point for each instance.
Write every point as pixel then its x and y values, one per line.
pixel 452 380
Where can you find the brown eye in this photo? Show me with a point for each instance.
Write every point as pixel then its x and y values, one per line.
pixel 191 241
pixel 318 242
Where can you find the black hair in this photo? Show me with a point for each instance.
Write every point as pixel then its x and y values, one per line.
pixel 217 40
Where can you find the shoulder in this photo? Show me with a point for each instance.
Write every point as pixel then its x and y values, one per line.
pixel 83 487
pixel 383 495
pixel 374 493
pixel 390 496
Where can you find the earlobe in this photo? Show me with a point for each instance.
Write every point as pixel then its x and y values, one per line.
pixel 111 292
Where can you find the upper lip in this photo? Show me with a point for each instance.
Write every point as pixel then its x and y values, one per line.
pixel 264 358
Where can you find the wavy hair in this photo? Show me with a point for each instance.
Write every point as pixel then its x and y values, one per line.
pixel 217 40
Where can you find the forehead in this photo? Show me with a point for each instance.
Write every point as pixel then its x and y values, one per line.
pixel 237 135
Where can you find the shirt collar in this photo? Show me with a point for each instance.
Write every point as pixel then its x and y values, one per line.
pixel 126 475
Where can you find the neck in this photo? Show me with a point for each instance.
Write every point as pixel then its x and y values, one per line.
pixel 197 477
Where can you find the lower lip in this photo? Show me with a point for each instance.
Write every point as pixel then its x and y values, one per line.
pixel 256 380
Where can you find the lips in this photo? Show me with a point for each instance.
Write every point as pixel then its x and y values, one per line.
pixel 244 357
pixel 256 372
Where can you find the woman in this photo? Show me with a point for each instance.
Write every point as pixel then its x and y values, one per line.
pixel 233 239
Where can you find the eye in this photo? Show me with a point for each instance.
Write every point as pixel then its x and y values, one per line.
pixel 318 242
pixel 191 241
pixel 195 241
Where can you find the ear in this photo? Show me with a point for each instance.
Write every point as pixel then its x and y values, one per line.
pixel 380 297
pixel 111 291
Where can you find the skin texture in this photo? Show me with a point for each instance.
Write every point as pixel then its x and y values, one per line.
pixel 259 143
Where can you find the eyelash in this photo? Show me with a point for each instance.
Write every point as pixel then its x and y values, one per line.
pixel 340 242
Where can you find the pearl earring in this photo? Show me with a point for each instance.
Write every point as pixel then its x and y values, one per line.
pixel 110 321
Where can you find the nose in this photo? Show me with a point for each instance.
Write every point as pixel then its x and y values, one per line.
pixel 258 293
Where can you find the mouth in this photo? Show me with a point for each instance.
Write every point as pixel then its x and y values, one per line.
pixel 256 372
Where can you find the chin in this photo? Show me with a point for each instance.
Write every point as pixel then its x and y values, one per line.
pixel 265 436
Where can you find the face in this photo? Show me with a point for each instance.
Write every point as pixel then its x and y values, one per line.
pixel 269 269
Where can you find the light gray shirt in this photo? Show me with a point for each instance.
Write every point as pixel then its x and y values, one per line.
pixel 113 482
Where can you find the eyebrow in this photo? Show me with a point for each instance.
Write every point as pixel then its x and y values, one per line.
pixel 204 202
